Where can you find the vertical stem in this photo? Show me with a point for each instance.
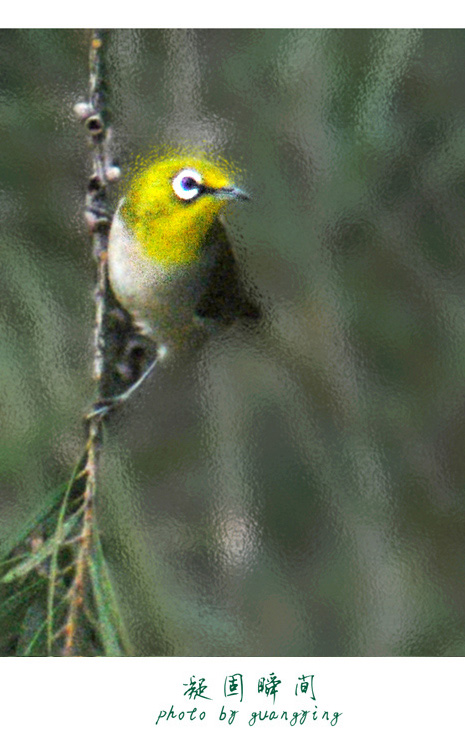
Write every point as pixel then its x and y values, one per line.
pixel 98 217
pixel 97 210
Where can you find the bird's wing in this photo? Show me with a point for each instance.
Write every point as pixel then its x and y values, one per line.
pixel 225 298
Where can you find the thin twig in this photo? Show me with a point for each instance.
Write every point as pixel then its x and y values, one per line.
pixel 98 216
pixel 67 550
pixel 76 594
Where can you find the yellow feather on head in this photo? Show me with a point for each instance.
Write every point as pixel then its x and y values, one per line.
pixel 169 230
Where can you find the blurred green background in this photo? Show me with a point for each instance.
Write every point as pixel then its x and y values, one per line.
pixel 296 490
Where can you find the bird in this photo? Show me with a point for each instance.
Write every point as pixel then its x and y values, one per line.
pixel 171 265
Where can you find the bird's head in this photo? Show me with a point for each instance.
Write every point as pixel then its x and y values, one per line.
pixel 172 203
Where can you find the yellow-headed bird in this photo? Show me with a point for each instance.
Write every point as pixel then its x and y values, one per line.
pixel 170 262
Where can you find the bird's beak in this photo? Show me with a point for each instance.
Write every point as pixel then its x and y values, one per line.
pixel 232 192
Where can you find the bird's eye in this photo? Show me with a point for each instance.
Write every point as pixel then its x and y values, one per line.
pixel 187 184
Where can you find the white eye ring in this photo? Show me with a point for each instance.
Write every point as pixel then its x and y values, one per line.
pixel 187 184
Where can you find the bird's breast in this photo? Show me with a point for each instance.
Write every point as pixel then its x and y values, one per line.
pixel 161 300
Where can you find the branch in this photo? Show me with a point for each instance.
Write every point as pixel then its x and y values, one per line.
pixel 94 114
pixel 61 556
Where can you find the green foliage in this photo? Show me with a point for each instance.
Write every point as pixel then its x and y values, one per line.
pixel 38 582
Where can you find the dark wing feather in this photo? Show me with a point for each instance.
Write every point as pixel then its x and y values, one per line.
pixel 225 298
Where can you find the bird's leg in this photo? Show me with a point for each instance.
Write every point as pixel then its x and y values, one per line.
pixel 104 406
